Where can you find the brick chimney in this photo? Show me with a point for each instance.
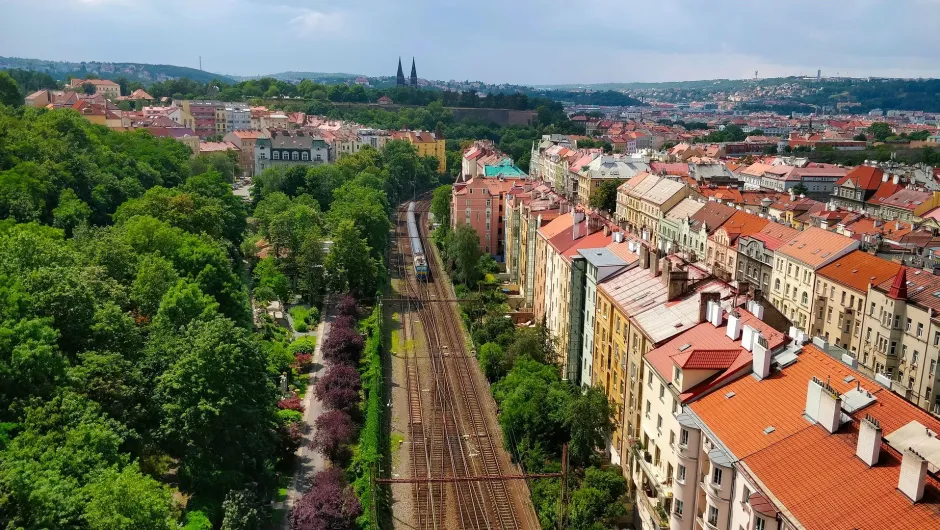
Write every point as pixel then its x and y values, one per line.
pixel 644 256
pixel 869 440
pixel 913 475
pixel 667 270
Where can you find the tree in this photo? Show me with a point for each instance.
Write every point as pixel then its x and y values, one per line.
pixel 89 89
pixel 241 511
pixel 328 504
pixel 155 276
pixel 271 284
pixel 349 265
pixel 756 132
pixel 217 406
pixel 71 212
pixel 533 404
pixel 128 500
pixel 860 137
pixel 334 430
pixel 535 343
pixel 800 189
pixel 339 388
pixel 346 306
pixel 604 197
pixel 183 304
pixel 440 205
pixel 493 360
pixel 9 91
pixel 589 420
pixel 880 130
pixel 597 503
pixel 463 249
pixel 343 345
pixel 365 208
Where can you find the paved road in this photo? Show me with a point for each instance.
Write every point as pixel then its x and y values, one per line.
pixel 309 460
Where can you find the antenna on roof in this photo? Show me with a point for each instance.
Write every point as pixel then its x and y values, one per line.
pixel 200 62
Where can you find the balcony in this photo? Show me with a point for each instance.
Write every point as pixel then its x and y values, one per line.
pixel 653 474
pixel 655 513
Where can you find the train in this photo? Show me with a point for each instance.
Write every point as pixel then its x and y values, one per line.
pixel 417 250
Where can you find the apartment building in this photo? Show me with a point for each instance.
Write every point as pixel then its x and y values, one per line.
pixel 645 201
pixel 842 289
pixel 901 335
pixel 694 363
pixel 478 202
pixel 560 233
pixel 245 140
pixel 204 115
pixel 527 208
pixel 604 168
pixel 289 148
pixel 104 87
pixel 427 144
pixel 670 226
pixel 721 247
pixel 755 262
pixel 805 441
pixel 693 234
pixel 794 274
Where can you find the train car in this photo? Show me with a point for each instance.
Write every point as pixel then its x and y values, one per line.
pixel 417 250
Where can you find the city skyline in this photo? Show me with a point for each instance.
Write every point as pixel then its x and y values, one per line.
pixel 535 43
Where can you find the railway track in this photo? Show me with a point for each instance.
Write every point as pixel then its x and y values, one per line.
pixel 460 443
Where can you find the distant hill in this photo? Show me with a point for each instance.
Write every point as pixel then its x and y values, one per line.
pixel 142 72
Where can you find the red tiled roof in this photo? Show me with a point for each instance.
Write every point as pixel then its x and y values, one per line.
pixel 865 177
pixel 857 269
pixel 695 359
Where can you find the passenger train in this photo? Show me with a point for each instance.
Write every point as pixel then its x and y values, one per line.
pixel 417 250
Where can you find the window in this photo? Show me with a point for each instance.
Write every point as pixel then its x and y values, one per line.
pixel 649 380
pixel 680 473
pixel 684 437
pixel 914 357
pixel 897 321
pixel 662 393
pixel 920 329
pixel 678 508
pixel 676 373
pixel 804 299
pixel 746 495
pixel 659 422
pixel 908 328
pixel 758 523
pixel 936 338
pixel 777 288
pixel 319 158
pixel 275 155
pixel 649 407
pixel 716 476
pixel 713 516
pixel 305 156
pixel 894 348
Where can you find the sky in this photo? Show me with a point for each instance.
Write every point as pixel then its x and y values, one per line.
pixel 529 42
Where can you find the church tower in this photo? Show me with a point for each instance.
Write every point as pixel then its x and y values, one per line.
pixel 414 74
pixel 401 74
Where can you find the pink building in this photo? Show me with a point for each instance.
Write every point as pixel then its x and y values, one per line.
pixel 478 202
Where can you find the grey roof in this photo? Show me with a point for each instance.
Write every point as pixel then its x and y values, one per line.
pixel 720 457
pixel 298 140
pixel 601 257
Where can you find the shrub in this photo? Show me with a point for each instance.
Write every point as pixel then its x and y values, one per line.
pixel 302 345
pixel 291 403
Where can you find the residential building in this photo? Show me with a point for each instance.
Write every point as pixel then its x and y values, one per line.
pixel 478 202
pixel 818 179
pixel 273 120
pixel 646 201
pixel 756 255
pixel 901 335
pixel 692 364
pixel 104 87
pixel 245 140
pixel 902 204
pixel 857 187
pixel 204 115
pixel 289 148
pixel 693 234
pixel 806 442
pixel 603 168
pixel 428 144
pixel 670 226
pixel 721 247
pixel 842 288
pixel 233 118
pixel 528 206
pixel 794 274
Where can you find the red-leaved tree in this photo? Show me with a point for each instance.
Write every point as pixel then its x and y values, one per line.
pixel 329 504
pixel 343 346
pixel 335 429
pixel 344 322
pixel 339 388
pixel 346 306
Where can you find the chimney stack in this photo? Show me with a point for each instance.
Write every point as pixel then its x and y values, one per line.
pixel 704 305
pixel 913 475
pixel 761 356
pixel 823 405
pixel 715 313
pixel 667 271
pixel 869 440
pixel 644 256
pixel 747 337
pixel 733 330
pixel 654 262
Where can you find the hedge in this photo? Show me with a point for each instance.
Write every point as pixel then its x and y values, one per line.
pixel 370 449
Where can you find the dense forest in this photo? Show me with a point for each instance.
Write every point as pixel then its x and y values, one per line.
pixel 135 393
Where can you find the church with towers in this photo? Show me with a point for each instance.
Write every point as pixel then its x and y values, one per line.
pixel 413 80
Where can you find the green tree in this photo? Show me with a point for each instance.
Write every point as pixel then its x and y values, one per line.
pixel 440 205
pixel 218 408
pixel 71 212
pixel 598 502
pixel 493 360
pixel 241 511
pixel 9 91
pixel 604 197
pixel 800 189
pixel 880 131
pixel 155 276
pixel 590 421
pixel 463 249
pixel 535 343
pixel 271 284
pixel 88 88
pixel 127 500
pixel 365 207
pixel 860 137
pixel 183 304
pixel 348 265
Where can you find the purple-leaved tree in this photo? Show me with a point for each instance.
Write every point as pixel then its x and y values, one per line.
pixel 329 504
pixel 339 388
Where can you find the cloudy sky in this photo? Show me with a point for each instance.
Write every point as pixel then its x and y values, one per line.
pixel 517 41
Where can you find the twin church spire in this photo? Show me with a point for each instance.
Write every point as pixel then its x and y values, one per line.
pixel 413 81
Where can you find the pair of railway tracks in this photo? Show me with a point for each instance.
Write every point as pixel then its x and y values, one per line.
pixel 451 441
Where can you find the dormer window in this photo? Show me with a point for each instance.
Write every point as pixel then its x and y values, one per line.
pixel 676 374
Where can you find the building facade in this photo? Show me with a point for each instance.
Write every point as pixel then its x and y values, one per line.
pixel 289 148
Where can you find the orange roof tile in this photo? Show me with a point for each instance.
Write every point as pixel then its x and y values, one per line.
pixel 743 224
pixel 857 269
pixel 815 246
pixel 812 475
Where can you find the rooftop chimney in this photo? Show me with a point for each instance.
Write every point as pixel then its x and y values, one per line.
pixel 896 179
pixel 704 305
pixel 823 405
pixel 869 440
pixel 654 262
pixel 913 475
pixel 747 337
pixel 644 256
pixel 761 356
pixel 734 325
pixel 715 313
pixel 667 270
